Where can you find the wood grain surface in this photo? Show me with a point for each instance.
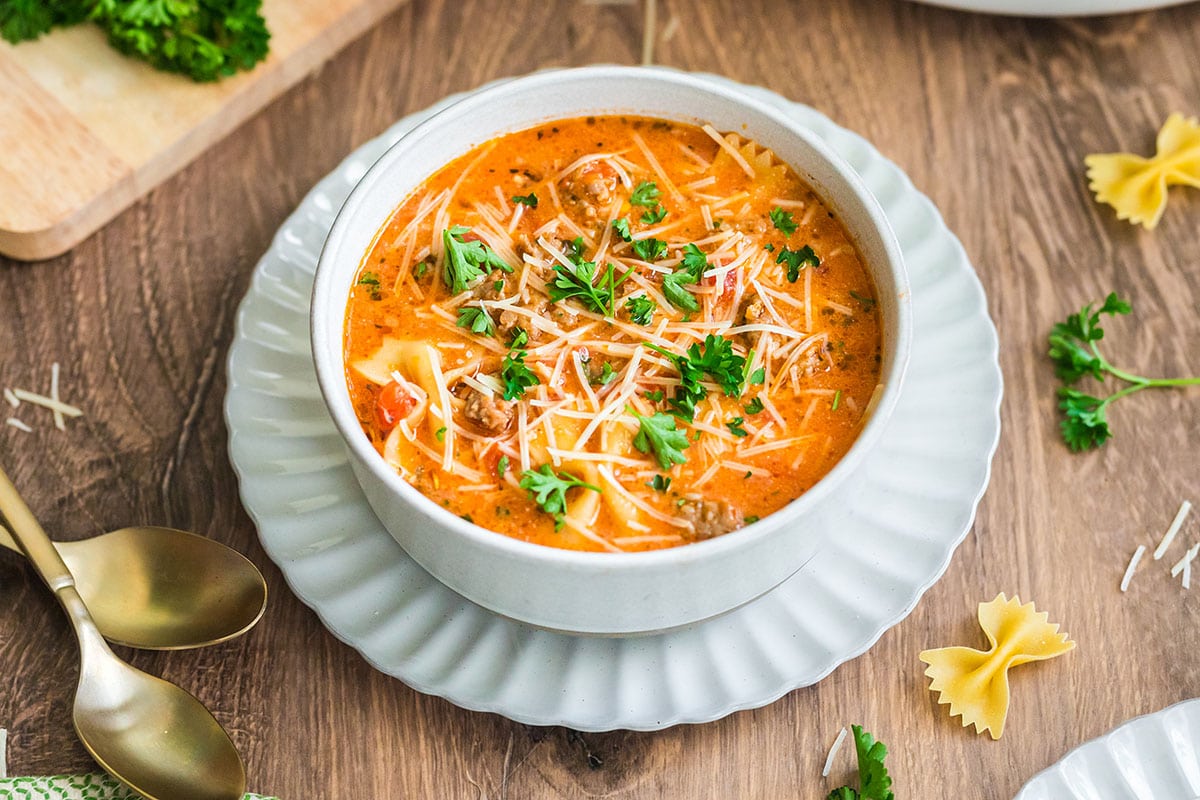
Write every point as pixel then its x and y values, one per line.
pixel 991 117
pixel 87 130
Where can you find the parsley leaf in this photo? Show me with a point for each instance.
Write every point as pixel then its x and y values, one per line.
pixel 650 249
pixel 715 358
pixel 865 300
pixel 440 434
pixel 874 783
pixel 755 406
pixel 645 194
pixel 797 260
pixel 621 226
pixel 1075 353
pixel 658 433
pixel 371 280
pixel 478 320
pixel 694 264
pixel 549 490
pixel 655 397
pixel 641 309
pixel 758 377
pixel 660 484
pixel 606 375
pixel 735 427
pixel 516 376
pixel 580 282
pixel 657 214
pixel 467 261
pixel 501 466
pixel 783 222
pixel 530 199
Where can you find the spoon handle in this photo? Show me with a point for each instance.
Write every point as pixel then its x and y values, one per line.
pixel 32 539
pixel 6 540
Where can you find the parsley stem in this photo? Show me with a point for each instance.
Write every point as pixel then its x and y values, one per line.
pixel 1143 381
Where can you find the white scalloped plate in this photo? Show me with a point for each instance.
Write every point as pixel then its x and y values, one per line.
pixel 1154 757
pixel 919 492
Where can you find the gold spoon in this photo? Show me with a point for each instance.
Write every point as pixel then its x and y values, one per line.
pixel 163 589
pixel 146 732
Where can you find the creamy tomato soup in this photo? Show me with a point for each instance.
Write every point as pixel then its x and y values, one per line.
pixel 613 333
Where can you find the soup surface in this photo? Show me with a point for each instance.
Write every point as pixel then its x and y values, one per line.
pixel 613 333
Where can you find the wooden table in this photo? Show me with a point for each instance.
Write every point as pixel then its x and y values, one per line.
pixel 990 117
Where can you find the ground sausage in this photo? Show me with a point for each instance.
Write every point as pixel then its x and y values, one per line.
pixel 712 517
pixel 490 413
pixel 752 311
pixel 590 189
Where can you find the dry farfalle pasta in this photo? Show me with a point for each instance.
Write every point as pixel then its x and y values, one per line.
pixel 1137 187
pixel 975 683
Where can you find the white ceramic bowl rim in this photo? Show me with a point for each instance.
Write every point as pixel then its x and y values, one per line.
pixel 328 319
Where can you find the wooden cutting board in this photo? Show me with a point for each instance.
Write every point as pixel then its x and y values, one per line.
pixel 85 131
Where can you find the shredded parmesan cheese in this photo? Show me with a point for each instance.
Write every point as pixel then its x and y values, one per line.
pixel 16 423
pixel 833 751
pixel 1184 508
pixel 1133 562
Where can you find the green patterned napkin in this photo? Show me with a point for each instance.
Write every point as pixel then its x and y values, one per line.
pixel 72 787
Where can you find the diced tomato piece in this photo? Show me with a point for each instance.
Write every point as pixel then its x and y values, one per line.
pixel 394 404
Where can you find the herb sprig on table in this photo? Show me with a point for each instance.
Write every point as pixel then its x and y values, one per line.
pixel 874 783
pixel 202 39
pixel 1074 350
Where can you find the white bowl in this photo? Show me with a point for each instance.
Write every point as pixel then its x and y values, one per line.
pixel 600 593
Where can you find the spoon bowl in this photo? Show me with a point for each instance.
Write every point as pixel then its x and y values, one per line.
pixel 163 589
pixel 155 736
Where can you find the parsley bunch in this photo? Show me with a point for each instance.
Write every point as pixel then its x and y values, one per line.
pixel 203 39
pixel 1074 350
pixel 467 261
pixel 580 282
pixel 549 490
pixel 874 783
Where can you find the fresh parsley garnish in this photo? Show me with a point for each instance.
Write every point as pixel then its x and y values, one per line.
pixel 371 281
pixel 645 194
pixel 549 490
pixel 758 377
pixel 467 262
pixel 655 397
pixel 837 400
pixel 660 484
pixel 202 40
pixel 694 264
pixel 526 200
pixel 735 427
pixel 580 282
pixel 440 434
pixel 501 466
pixel 650 249
pixel 641 309
pixel 1074 350
pixel 874 783
pixel 755 406
pixel 656 214
pixel 866 301
pixel 797 260
pixel 783 222
pixel 621 226
pixel 604 377
pixel 478 320
pixel 715 358
pixel 516 375
pixel 659 434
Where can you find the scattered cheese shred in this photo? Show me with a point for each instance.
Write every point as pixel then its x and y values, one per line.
pixel 1133 562
pixel 16 423
pixel 47 402
pixel 11 398
pixel 833 751
pixel 1184 509
pixel 1185 562
pixel 1137 187
pixel 975 683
